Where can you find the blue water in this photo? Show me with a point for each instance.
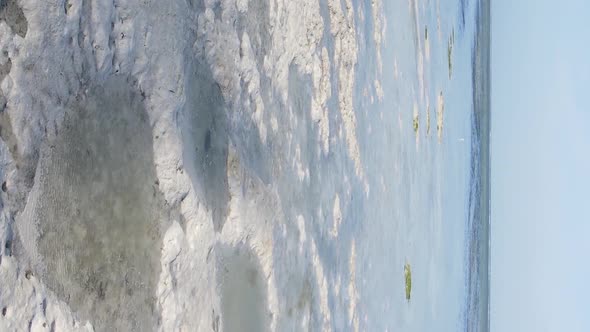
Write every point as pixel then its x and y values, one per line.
pixel 417 209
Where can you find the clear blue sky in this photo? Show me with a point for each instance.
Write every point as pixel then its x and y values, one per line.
pixel 540 165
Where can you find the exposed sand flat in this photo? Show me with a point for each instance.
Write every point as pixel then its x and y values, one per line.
pixel 336 216
pixel 144 139
pixel 346 49
pixel 379 27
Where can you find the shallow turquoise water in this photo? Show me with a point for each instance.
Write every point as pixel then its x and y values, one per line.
pixel 416 211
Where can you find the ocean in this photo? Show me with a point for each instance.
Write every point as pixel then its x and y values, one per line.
pixel 429 201
pixel 478 228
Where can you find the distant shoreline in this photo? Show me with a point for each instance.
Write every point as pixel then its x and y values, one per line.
pixel 478 228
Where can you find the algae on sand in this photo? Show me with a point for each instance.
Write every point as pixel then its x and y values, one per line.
pixel 415 119
pixel 408 278
pixel 450 45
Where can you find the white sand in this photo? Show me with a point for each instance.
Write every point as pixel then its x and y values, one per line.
pixel 380 24
pixel 179 61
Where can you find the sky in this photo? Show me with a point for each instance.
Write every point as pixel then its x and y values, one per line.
pixel 540 272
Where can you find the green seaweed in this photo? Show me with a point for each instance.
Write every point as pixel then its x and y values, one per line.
pixel 449 56
pixel 450 52
pixel 408 278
